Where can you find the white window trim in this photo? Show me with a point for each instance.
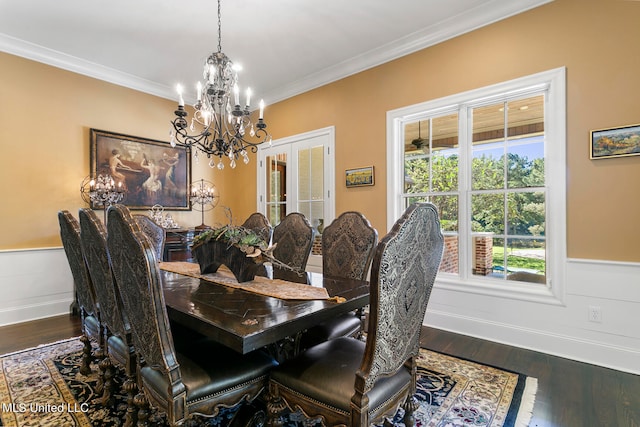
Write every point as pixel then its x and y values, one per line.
pixel 555 181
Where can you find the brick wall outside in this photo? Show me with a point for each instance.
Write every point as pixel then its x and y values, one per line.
pixel 316 249
pixel 450 256
pixel 483 254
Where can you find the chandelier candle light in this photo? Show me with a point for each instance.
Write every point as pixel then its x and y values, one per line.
pixel 101 191
pixel 220 124
pixel 205 195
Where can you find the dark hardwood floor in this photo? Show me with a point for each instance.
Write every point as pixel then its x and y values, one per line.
pixel 570 394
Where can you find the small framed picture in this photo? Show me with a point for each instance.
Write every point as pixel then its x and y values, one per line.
pixel 615 142
pixel 359 177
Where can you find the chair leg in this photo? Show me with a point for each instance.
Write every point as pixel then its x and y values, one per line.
pixel 141 402
pixel 85 365
pixel 410 406
pixel 275 407
pixel 130 388
pixel 99 357
pixel 108 385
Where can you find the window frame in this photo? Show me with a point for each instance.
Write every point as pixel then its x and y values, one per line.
pixel 553 83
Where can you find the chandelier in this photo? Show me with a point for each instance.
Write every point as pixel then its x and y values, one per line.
pixel 101 191
pixel 220 125
pixel 205 195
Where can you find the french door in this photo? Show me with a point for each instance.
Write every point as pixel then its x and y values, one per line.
pixel 297 174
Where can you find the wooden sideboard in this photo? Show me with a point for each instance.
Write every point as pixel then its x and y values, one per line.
pixel 177 244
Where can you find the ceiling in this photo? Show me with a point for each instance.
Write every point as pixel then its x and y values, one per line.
pixel 286 47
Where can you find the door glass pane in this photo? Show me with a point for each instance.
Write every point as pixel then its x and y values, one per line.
pixel 311 184
pixel 276 188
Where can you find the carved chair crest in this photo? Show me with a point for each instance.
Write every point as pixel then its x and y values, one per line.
pixel 347 246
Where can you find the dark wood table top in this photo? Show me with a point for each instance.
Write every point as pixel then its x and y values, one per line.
pixel 245 321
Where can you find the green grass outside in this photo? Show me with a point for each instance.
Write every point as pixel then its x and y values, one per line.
pixel 517 262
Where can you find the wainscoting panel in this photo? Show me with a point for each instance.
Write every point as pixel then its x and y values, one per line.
pixel 563 330
pixel 35 283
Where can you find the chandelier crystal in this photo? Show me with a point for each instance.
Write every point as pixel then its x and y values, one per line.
pixel 101 191
pixel 220 125
pixel 205 195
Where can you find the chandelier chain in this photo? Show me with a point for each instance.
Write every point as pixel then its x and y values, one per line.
pixel 219 28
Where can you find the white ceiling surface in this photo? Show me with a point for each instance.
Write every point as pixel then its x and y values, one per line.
pixel 286 47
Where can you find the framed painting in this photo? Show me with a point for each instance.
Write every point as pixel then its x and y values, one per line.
pixel 359 177
pixel 152 172
pixel 615 142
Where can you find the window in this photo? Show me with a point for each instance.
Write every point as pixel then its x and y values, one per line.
pixel 492 160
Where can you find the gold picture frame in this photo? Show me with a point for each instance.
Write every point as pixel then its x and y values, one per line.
pixel 152 172
pixel 615 142
pixel 359 177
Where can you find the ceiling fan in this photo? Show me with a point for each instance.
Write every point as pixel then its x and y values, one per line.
pixel 419 141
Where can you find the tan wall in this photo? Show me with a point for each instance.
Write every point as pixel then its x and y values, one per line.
pixel 45 117
pixel 596 40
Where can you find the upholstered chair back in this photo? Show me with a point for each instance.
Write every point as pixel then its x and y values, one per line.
pixel 70 235
pixel 259 224
pixel 154 232
pixel 293 238
pixel 184 378
pixel 347 246
pixel 404 269
pixel 94 244
pixel 137 274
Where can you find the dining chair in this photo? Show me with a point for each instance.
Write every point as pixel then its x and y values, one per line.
pixel 348 244
pixel 345 381
pixel 154 232
pixel 293 238
pixel 198 377
pixel 117 333
pixel 85 294
pixel 259 223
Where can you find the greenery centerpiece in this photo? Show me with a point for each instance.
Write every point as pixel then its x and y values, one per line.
pixel 241 249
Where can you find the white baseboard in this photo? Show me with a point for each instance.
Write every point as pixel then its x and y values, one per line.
pixel 582 350
pixel 34 311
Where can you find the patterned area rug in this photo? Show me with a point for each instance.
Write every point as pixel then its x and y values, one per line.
pixel 42 387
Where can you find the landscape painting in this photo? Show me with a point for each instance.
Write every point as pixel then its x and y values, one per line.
pixel 623 141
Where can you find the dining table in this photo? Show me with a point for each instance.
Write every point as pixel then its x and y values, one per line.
pixel 246 316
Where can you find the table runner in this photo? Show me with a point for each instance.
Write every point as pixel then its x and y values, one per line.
pixel 260 285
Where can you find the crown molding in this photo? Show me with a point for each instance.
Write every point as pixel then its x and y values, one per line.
pixel 474 18
pixel 486 14
pixel 77 65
